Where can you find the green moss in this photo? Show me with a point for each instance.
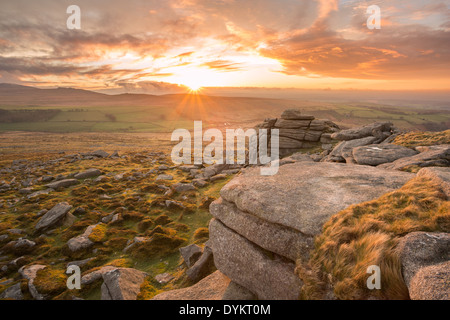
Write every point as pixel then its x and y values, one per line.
pixel 98 234
pixel 50 281
pixel 158 245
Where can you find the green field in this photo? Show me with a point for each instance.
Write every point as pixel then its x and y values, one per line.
pixel 139 119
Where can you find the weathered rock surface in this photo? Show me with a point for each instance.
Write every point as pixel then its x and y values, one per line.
pixel 268 276
pixel 90 173
pixel 304 195
pixel 29 273
pixel 212 287
pixel 122 284
pixel 431 283
pixel 62 183
pixel 203 266
pixel 377 154
pixel 419 250
pixel 276 238
pixel 343 152
pixel 362 132
pixel 435 156
pixel 191 254
pixel 14 292
pixel 53 217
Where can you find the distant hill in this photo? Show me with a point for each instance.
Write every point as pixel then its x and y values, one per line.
pixel 75 110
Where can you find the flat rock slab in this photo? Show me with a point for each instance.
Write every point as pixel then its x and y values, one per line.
pixel 377 154
pixel 268 276
pixel 53 217
pixel 435 156
pixel 213 287
pixel 90 173
pixel 62 183
pixel 304 195
pixel 362 132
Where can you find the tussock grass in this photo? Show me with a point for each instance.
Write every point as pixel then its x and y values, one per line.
pixel 367 234
pixel 415 139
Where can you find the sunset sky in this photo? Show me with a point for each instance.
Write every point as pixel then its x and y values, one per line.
pixel 156 45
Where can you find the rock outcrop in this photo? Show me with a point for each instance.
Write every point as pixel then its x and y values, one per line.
pixel 263 224
pixel 299 131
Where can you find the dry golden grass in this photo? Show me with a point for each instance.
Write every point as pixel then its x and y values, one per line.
pixel 367 234
pixel 415 139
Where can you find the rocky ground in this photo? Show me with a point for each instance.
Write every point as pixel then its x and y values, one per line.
pixel 137 225
pixel 121 218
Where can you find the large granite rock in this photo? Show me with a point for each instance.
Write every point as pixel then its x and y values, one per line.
pixel 377 154
pixel 265 223
pixel 419 250
pixel 304 195
pixel 343 152
pixel 268 276
pixel 431 283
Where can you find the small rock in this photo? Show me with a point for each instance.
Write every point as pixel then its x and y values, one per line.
pixel 164 278
pixel 90 173
pixel 53 217
pixel 191 254
pixel 62 183
pixel 164 177
pixel 13 292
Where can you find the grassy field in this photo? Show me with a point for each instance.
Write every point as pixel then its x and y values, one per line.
pixel 216 113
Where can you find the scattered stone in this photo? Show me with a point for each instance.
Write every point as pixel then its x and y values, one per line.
pixel 40 192
pixel 93 276
pixel 377 154
pixel 164 177
pixel 164 278
pixel 122 284
pixel 431 283
pixel 14 292
pixel 199 183
pixel 191 254
pixel 203 266
pixel 183 187
pixel 217 177
pixel 62 183
pixel 90 173
pixel 82 242
pixel 98 154
pixel 29 273
pixel 54 217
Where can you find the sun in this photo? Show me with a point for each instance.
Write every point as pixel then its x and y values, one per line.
pixel 194 87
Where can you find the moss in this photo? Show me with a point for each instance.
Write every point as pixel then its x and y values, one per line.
pixel 80 191
pixel 201 233
pixel 367 234
pixel 148 289
pixel 50 281
pixel 163 220
pixel 117 244
pixel 152 188
pixel 132 216
pixel 98 234
pixel 145 224
pixel 158 245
